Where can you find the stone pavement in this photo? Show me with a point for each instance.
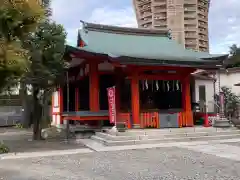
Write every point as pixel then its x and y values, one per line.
pixel 219 150
pixel 195 160
pixel 166 163
pixel 99 147
pixel 232 143
pixel 23 148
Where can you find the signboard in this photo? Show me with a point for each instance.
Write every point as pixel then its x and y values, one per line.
pixel 112 104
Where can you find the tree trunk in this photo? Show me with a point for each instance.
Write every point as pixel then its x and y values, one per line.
pixel 26 119
pixel 37 114
pixel 46 110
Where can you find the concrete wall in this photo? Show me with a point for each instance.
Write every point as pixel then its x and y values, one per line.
pixel 229 79
pixel 10 115
pixel 209 92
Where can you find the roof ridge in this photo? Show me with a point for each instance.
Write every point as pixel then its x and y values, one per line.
pixel 124 30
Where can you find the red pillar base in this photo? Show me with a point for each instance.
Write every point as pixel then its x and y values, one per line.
pixel 206 122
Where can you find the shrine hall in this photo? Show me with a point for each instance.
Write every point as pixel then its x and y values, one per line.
pixel 149 70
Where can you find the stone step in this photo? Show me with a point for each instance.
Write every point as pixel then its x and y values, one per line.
pixel 176 130
pixel 160 135
pixel 222 122
pixel 107 142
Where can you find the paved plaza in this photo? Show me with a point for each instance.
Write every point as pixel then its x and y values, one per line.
pixel 193 160
pixel 87 159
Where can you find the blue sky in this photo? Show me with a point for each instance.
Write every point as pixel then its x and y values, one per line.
pixel 224 18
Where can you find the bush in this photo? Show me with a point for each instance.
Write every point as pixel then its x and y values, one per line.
pixel 19 126
pixel 3 148
pixel 231 102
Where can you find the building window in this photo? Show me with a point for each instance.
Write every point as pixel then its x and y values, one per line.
pixel 202 93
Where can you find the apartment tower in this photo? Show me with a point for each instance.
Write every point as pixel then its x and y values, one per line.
pixel 186 19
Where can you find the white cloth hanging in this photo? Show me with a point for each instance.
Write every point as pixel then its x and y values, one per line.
pixel 177 85
pixel 146 84
pixel 157 86
pixel 168 87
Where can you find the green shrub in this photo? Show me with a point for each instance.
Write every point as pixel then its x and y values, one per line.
pixel 3 148
pixel 19 126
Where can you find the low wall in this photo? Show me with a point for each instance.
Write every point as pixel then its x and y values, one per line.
pixel 10 115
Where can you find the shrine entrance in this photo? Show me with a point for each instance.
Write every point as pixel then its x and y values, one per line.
pixel 160 94
pixel 150 71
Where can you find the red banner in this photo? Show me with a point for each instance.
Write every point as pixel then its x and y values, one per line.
pixel 112 104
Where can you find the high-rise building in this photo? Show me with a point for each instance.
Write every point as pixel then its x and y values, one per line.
pixel 186 19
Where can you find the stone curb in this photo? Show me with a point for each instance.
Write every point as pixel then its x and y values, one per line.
pixel 169 144
pixel 107 142
pixel 10 156
pixel 15 133
pixel 44 153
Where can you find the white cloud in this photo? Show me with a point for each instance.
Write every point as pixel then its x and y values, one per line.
pixel 72 36
pixel 70 14
pixel 224 18
pixel 119 17
pixel 232 19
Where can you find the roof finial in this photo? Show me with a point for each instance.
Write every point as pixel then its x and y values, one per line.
pixel 84 25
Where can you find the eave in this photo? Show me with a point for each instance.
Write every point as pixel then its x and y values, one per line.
pixel 124 60
pixel 123 30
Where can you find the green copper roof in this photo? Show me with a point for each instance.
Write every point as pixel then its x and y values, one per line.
pixel 139 43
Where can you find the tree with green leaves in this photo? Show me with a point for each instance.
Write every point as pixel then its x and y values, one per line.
pixel 234 59
pixel 46 48
pixel 18 18
pixel 31 48
pixel 231 102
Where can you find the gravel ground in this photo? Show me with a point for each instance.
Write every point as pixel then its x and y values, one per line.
pixel 148 164
pixel 36 146
pixel 232 143
pixel 13 129
pixel 20 140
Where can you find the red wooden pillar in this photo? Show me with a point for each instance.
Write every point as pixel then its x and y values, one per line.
pixel 118 76
pixel 117 96
pixel 76 99
pixel 94 86
pixel 183 81
pixel 60 96
pixel 135 100
pixel 186 102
